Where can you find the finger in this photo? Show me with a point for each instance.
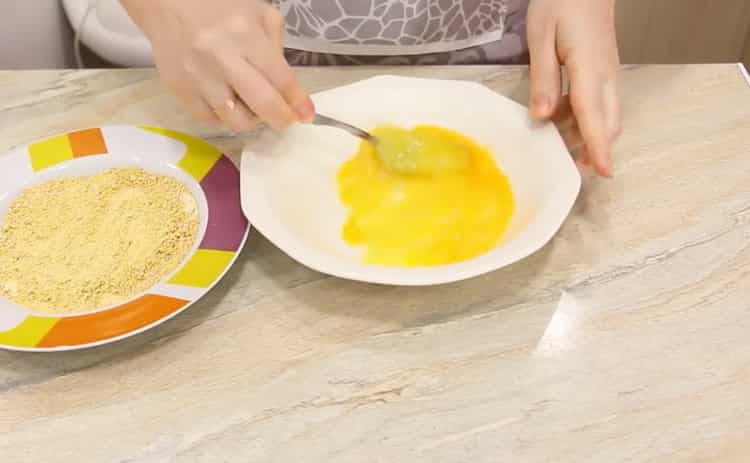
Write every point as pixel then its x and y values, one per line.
pixel 587 101
pixel 273 23
pixel 572 138
pixel 274 68
pixel 583 160
pixel 197 106
pixel 203 111
pixel 258 94
pixel 269 60
pixel 544 66
pixel 612 110
pixel 577 148
pixel 186 92
pixel 225 105
pixel 237 116
pixel 563 115
pixel 611 98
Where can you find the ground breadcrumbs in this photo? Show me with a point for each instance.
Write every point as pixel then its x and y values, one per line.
pixel 81 243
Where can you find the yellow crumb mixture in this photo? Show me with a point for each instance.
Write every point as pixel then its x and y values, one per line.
pixel 81 243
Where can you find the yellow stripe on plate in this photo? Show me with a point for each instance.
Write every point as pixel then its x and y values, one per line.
pixel 199 157
pixel 29 332
pixel 203 269
pixel 49 152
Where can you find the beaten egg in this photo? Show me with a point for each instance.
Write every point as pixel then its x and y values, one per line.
pixel 423 197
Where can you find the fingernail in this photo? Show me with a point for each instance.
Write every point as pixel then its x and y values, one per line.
pixel 305 110
pixel 541 105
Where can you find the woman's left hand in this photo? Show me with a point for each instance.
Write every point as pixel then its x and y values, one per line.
pixel 579 34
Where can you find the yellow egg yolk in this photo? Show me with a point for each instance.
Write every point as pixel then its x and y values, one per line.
pixel 423 152
pixel 454 205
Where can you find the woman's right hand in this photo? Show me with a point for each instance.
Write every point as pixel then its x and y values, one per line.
pixel 224 59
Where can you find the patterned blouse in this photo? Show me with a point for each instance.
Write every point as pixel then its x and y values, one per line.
pixel 326 32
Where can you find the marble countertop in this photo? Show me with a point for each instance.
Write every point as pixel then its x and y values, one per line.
pixel 624 339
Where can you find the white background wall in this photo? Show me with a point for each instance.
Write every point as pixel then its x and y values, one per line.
pixel 34 34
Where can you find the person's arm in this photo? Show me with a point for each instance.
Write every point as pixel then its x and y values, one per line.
pixel 224 59
pixel 579 34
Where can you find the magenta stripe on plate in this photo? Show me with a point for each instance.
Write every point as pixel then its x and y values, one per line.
pixel 226 222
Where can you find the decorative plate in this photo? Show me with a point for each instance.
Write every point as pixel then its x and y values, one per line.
pixel 214 181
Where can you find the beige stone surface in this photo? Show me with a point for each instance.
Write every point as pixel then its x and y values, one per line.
pixel 625 339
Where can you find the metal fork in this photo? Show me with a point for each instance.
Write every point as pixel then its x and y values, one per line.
pixel 357 132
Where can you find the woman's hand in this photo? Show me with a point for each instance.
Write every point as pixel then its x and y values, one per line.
pixel 579 34
pixel 224 59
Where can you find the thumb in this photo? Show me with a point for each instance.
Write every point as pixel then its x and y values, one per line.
pixel 544 69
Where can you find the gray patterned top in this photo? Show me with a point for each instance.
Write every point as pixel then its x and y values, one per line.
pixel 404 31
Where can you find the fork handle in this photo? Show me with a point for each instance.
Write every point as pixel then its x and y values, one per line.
pixel 330 122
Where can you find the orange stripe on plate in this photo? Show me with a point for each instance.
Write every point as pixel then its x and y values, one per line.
pixel 85 329
pixel 87 142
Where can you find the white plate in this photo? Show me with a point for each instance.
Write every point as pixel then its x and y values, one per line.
pixel 289 190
